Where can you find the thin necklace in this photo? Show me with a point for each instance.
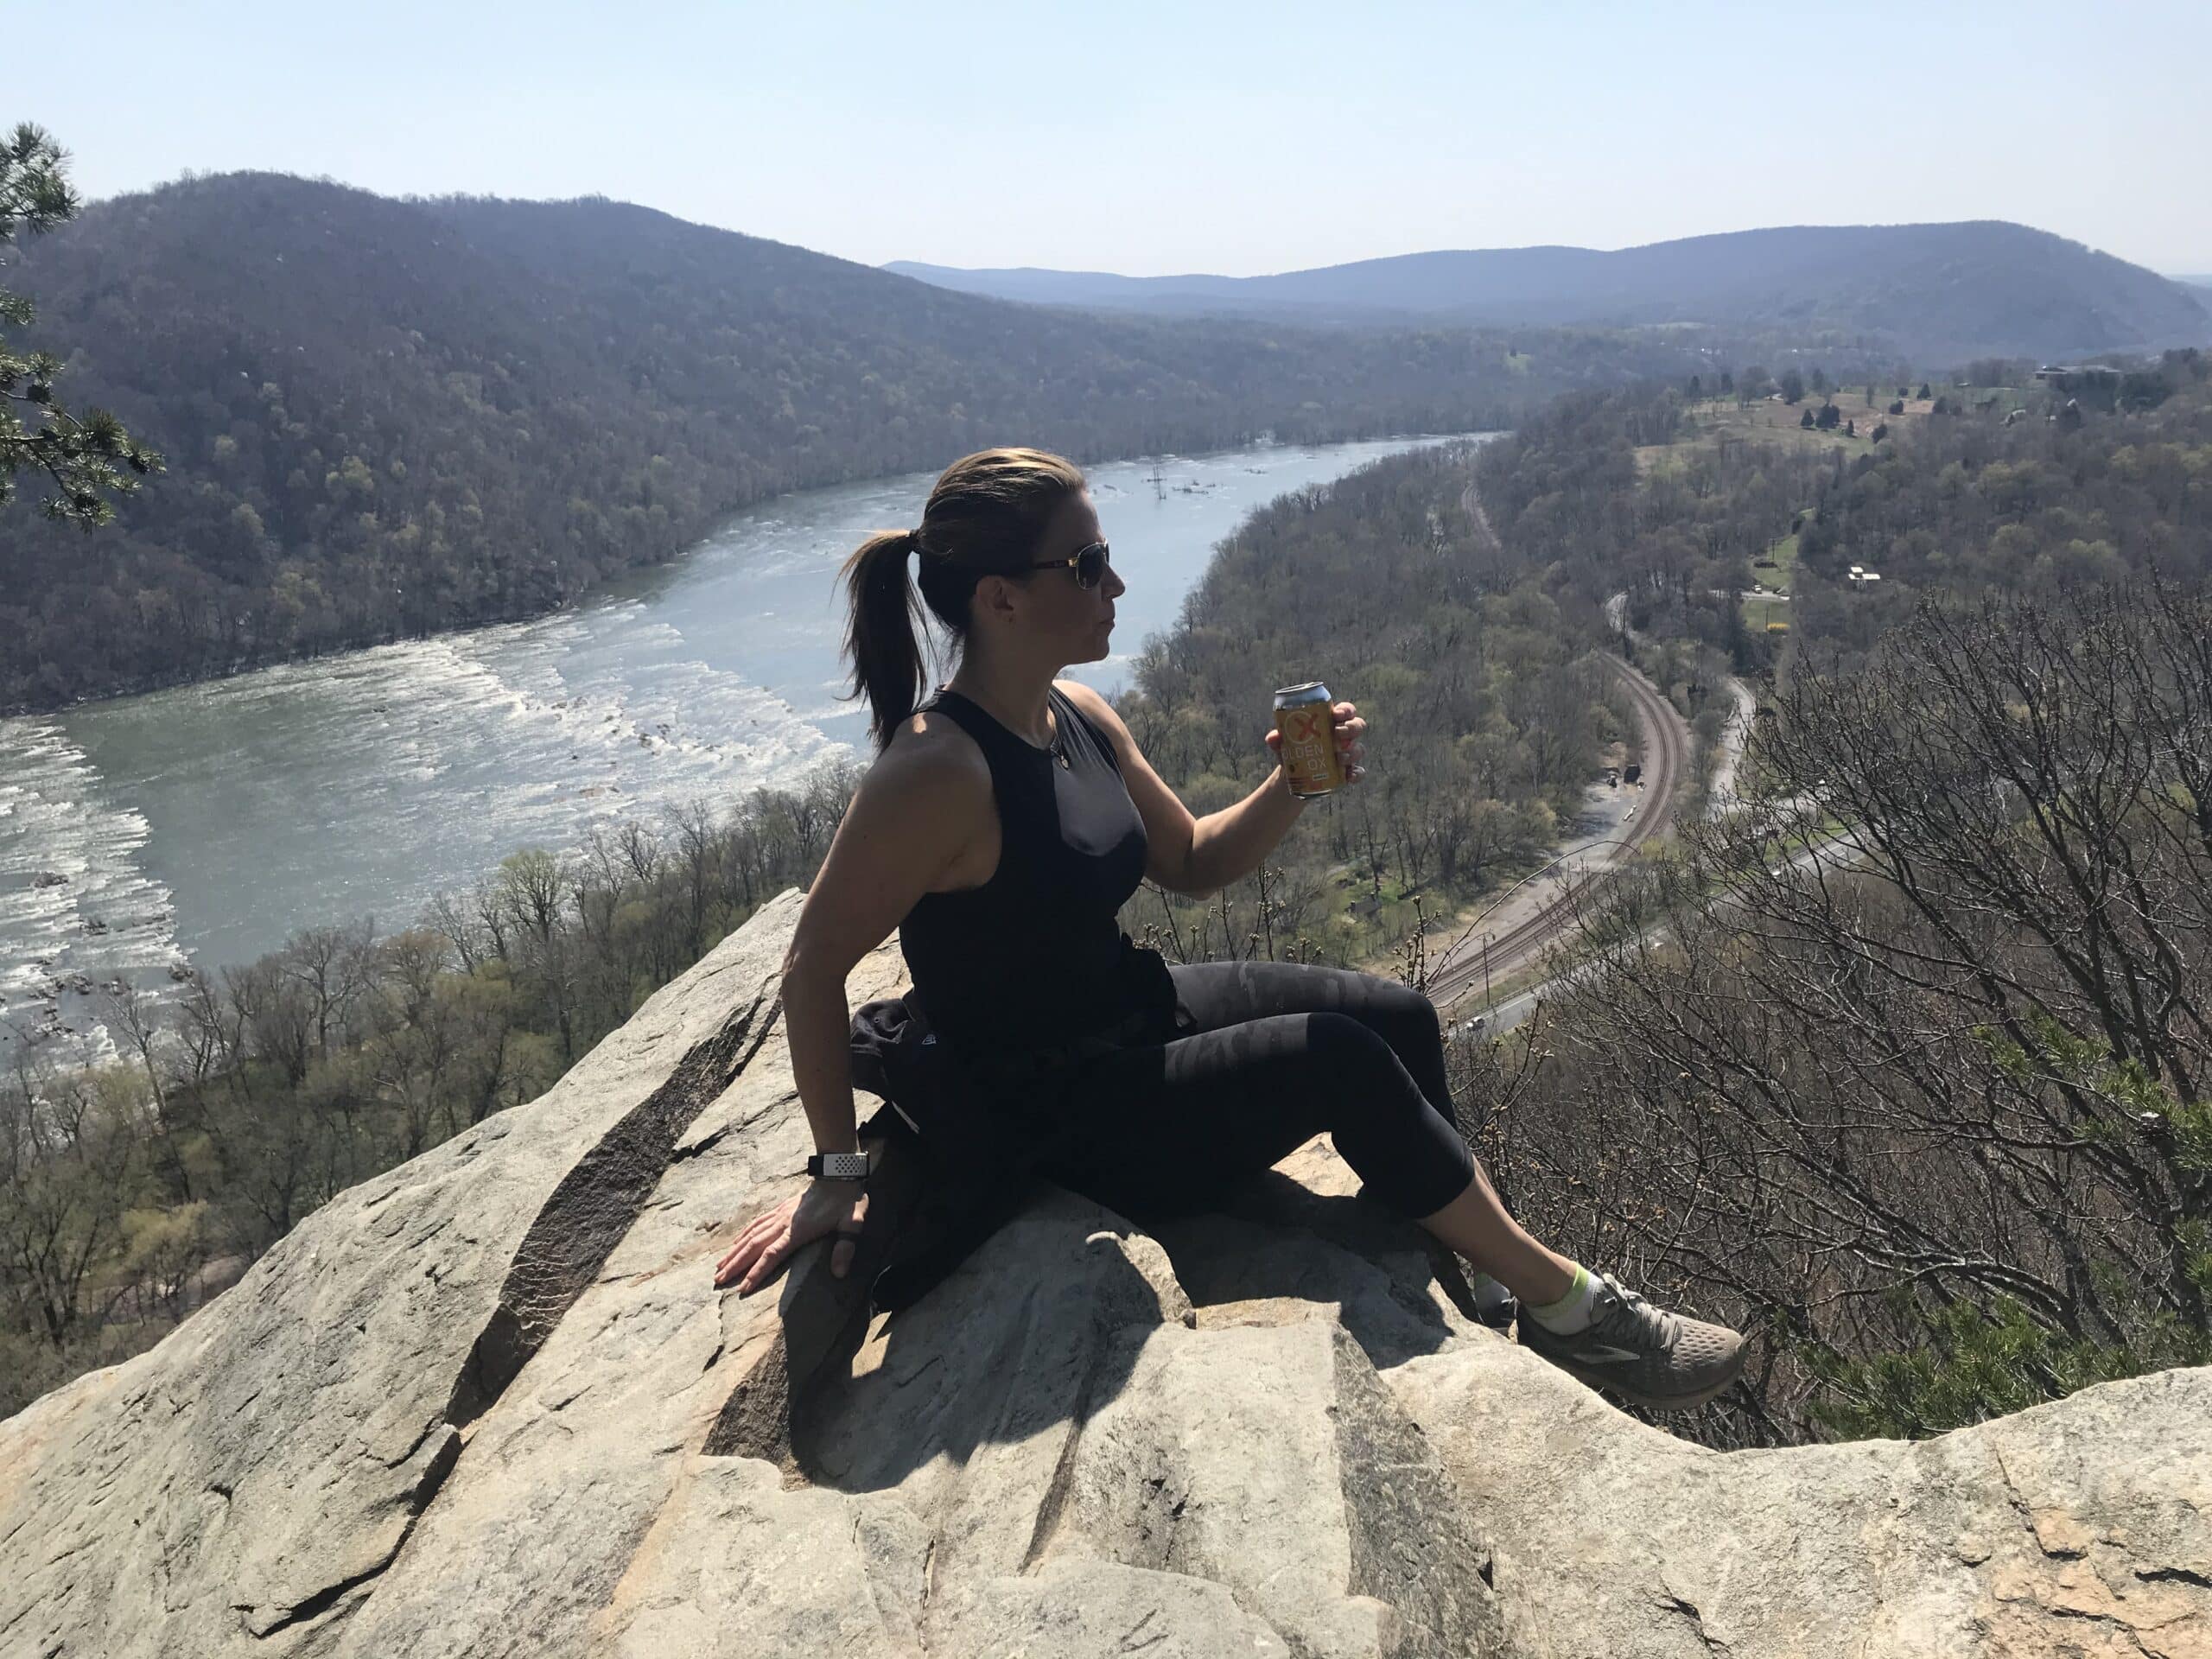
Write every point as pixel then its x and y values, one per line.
pixel 1056 746
pixel 1059 737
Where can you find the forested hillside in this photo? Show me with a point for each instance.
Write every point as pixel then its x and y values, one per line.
pixel 2029 487
pixel 2081 491
pixel 1905 1066
pixel 1931 1113
pixel 387 417
pixel 1928 292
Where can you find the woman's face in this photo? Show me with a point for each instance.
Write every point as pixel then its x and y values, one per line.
pixel 1079 620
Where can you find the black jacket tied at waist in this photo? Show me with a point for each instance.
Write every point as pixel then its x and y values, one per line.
pixel 982 1122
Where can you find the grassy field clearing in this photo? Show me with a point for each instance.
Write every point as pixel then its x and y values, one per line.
pixel 1712 420
pixel 1783 576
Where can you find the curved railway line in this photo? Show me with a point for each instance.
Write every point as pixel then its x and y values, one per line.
pixel 1666 763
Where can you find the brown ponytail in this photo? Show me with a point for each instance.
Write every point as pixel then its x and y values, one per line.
pixel 985 517
pixel 879 637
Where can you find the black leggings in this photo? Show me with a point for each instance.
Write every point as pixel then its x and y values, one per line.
pixel 1279 1052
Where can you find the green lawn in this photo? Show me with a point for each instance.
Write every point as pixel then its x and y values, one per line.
pixel 1783 578
pixel 1760 610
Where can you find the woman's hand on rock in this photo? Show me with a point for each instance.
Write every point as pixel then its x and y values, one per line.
pixel 822 1208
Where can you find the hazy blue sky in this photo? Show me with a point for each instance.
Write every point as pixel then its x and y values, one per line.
pixel 1148 139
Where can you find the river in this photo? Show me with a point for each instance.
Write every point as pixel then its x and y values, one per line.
pixel 204 824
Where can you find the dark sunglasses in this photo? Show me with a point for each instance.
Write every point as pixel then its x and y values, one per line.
pixel 1089 565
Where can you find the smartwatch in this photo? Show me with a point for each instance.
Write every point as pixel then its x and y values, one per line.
pixel 838 1165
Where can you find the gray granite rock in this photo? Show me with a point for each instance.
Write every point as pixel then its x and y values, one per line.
pixel 492 1404
pixel 265 1466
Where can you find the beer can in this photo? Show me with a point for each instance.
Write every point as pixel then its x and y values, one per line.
pixel 1306 715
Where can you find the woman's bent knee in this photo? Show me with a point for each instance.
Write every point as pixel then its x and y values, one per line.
pixel 1399 1001
pixel 1343 1041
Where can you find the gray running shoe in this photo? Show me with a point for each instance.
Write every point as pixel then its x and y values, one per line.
pixel 1659 1360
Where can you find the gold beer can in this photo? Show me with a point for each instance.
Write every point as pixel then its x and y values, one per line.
pixel 1306 715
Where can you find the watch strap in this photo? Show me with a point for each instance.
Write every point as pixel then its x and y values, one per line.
pixel 838 1165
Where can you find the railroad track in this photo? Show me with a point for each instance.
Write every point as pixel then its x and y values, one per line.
pixel 1484 534
pixel 1666 751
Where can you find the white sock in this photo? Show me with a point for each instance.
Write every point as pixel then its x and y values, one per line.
pixel 1571 1313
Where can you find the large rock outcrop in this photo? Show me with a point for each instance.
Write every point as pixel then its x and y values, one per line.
pixel 491 1403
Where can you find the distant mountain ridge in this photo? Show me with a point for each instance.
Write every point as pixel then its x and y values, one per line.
pixel 1935 292
pixel 384 417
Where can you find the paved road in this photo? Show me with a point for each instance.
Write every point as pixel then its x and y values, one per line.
pixel 1721 799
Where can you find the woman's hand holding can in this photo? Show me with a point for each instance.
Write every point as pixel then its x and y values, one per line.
pixel 1320 753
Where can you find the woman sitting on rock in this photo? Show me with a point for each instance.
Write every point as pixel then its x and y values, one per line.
pixel 1000 829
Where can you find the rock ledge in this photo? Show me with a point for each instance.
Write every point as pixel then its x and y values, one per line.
pixel 491 1403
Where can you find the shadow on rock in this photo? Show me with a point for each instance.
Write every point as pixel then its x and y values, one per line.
pixel 1278 1250
pixel 1026 1338
pixel 1041 1326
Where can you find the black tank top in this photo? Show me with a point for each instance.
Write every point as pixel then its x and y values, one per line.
pixel 1035 954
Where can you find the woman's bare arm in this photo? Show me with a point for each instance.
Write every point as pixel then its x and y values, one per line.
pixel 920 806
pixel 917 809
